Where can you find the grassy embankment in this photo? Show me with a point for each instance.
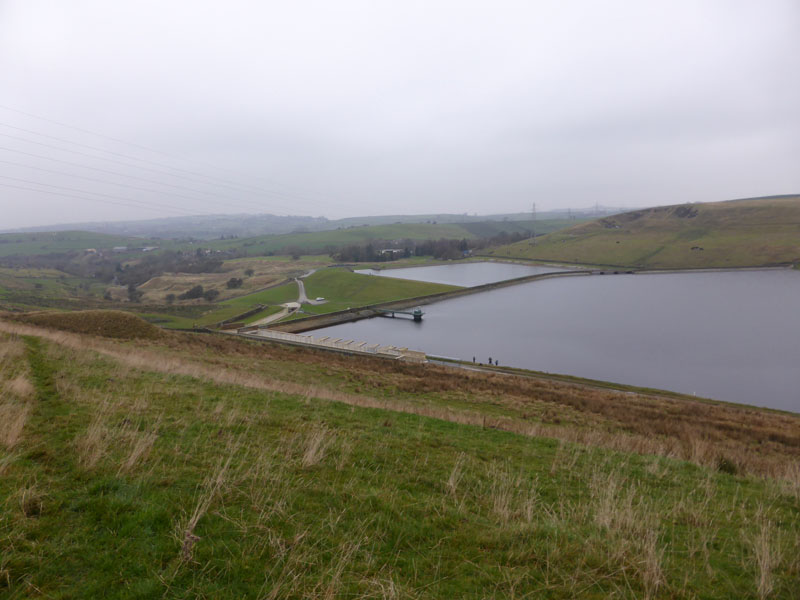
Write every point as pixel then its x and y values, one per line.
pixel 344 289
pixel 737 233
pixel 186 466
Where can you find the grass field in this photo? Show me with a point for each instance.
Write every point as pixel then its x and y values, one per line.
pixel 192 466
pixel 739 233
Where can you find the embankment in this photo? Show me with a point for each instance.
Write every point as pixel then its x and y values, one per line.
pixel 365 312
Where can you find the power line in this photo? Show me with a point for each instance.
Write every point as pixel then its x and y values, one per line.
pixel 118 174
pixel 105 150
pixel 141 147
pixel 29 189
pixel 123 163
pixel 104 181
pixel 145 203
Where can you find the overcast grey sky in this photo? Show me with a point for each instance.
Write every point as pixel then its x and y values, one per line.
pixel 348 108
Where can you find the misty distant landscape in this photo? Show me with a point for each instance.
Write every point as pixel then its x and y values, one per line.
pixel 399 300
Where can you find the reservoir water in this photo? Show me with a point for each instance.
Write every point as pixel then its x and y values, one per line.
pixel 732 336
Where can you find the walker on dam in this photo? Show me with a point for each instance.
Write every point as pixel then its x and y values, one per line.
pixel 416 314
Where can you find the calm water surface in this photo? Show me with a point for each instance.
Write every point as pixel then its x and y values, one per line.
pixel 730 336
pixel 463 274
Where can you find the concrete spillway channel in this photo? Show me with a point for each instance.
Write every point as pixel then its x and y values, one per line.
pixel 337 344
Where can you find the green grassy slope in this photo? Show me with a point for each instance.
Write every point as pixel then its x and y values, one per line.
pixel 737 233
pixel 541 226
pixel 345 289
pixel 134 483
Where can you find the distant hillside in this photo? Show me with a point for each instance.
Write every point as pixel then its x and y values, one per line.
pixel 208 227
pixel 55 242
pixel 199 226
pixel 319 241
pixel 735 233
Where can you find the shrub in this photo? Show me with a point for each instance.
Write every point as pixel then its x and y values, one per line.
pixel 195 292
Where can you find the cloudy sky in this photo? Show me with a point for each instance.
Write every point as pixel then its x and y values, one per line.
pixel 139 109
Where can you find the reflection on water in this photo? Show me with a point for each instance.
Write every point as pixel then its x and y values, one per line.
pixel 463 274
pixel 730 336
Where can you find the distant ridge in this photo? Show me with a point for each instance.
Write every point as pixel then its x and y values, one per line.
pixel 747 232
pixel 207 227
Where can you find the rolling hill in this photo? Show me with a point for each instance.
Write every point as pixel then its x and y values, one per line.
pixel 737 233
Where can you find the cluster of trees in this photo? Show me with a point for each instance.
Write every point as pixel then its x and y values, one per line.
pixel 198 292
pixel 153 265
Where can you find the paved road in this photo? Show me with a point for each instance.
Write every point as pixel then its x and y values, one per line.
pixel 301 293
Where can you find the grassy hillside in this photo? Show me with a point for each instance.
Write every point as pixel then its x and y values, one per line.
pixel 738 233
pixel 191 466
pixel 541 226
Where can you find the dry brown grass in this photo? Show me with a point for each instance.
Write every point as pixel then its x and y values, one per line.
pixel 632 526
pixel 455 475
pixel 99 436
pixel 21 386
pixel 16 392
pixel 142 443
pixel 106 323
pixel 766 551
pixel 317 443
pixel 31 500
pixel 511 496
pixel 214 485
pixel 746 439
pixel 12 421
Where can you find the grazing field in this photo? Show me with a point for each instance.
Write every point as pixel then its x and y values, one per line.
pixel 737 233
pixel 199 466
